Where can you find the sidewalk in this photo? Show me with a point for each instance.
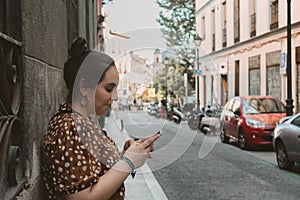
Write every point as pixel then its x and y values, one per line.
pixel 144 186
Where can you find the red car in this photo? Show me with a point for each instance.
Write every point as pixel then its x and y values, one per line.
pixel 251 120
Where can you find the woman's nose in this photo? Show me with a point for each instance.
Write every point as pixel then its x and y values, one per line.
pixel 114 96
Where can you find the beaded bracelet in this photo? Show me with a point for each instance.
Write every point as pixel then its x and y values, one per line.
pixel 131 165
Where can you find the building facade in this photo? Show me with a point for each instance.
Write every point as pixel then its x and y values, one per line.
pixel 34 41
pixel 243 49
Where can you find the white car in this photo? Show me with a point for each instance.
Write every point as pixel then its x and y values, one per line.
pixel 286 141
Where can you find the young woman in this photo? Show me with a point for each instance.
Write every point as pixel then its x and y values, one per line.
pixel 79 161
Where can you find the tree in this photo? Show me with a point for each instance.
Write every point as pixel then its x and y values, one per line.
pixel 170 81
pixel 177 20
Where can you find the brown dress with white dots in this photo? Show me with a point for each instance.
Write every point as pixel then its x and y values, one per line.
pixel 75 154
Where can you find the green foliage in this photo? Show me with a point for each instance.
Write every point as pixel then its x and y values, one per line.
pixel 177 20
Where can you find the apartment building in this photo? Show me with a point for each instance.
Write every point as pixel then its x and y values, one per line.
pixel 243 49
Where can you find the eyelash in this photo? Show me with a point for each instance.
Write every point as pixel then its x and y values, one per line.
pixel 110 90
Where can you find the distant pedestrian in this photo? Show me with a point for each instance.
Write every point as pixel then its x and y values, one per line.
pixel 79 160
pixel 139 104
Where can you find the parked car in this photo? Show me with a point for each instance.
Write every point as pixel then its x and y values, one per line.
pixel 286 141
pixel 251 120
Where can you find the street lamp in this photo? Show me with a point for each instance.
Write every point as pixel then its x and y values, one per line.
pixel 289 101
pixel 197 44
pixel 166 63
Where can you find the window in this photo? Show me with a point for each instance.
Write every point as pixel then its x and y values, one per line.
pixel 213 30
pixel 237 78
pixel 253 18
pixel 203 27
pixel 273 73
pixel 229 106
pixel 274 15
pixel 296 121
pixel 236 106
pixel 224 29
pixel 236 21
pixel 254 75
pixel 273 80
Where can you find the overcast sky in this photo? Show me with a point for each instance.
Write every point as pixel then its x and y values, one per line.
pixel 137 20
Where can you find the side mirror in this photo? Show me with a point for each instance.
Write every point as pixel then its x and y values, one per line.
pixel 237 112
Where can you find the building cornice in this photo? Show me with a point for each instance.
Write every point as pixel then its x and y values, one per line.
pixel 252 40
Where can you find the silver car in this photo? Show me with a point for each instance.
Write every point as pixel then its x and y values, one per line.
pixel 286 141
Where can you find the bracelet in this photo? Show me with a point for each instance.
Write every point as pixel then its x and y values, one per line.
pixel 131 165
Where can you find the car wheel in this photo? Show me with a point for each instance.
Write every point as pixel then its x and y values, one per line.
pixel 223 137
pixel 242 139
pixel 283 161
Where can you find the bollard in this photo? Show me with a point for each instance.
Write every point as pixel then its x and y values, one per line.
pixel 122 126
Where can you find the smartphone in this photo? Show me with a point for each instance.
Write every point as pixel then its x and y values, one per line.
pixel 158 132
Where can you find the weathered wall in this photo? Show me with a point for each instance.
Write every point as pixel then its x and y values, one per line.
pixel 45 47
pixel 45 39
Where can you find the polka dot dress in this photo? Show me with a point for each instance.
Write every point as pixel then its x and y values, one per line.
pixel 75 153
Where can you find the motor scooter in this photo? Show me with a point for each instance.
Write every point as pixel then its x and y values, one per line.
pixel 154 110
pixel 210 122
pixel 178 116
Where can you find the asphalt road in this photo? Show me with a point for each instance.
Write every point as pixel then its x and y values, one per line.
pixel 189 165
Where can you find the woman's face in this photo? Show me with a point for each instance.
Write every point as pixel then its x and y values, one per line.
pixel 106 91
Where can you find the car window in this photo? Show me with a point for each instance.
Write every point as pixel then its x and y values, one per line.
pixel 229 105
pixel 270 105
pixel 249 109
pixel 236 105
pixel 251 106
pixel 296 121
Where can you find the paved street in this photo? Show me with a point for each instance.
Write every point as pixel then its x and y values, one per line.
pixel 189 165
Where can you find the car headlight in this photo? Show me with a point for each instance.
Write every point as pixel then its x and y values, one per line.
pixel 254 123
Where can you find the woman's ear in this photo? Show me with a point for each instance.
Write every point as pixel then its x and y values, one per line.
pixel 83 87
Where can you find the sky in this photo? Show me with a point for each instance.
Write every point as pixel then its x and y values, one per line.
pixel 135 19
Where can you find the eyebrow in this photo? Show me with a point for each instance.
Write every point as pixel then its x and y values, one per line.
pixel 111 84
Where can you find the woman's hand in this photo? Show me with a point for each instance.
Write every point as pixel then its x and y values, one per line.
pixel 139 150
pixel 127 144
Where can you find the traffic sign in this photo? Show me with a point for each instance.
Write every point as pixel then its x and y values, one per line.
pixel 283 63
pixel 197 72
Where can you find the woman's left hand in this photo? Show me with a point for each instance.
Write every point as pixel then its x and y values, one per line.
pixel 127 144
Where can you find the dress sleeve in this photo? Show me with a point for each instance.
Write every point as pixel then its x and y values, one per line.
pixel 69 167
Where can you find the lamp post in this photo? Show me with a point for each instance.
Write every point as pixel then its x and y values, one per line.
pixel 197 44
pixel 166 63
pixel 289 101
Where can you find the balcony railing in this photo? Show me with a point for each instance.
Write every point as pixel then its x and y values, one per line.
pixel 274 25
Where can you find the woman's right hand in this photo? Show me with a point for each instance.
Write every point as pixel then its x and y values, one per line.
pixel 140 150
